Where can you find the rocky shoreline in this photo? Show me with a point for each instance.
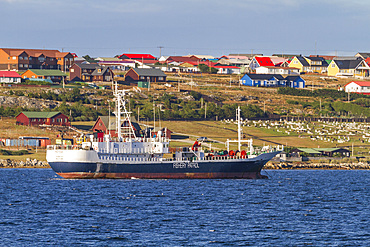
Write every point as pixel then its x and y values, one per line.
pixel 324 166
pixel 29 163
pixel 33 163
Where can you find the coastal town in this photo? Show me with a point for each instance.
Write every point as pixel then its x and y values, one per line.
pixel 184 123
pixel 314 105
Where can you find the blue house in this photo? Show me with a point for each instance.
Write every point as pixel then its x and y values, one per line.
pixel 262 80
pixel 295 81
pixel 272 80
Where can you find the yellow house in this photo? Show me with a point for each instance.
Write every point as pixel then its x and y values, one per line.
pixel 309 64
pixel 354 67
pixel 298 62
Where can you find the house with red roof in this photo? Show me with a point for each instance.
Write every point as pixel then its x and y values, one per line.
pixel 367 60
pixel 181 59
pixel 361 87
pixel 10 77
pixel 137 56
pixel 260 61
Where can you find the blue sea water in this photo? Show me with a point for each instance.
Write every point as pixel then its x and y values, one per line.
pixel 291 208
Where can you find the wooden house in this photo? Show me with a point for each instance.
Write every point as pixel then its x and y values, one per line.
pixel 262 80
pixel 277 70
pixel 90 73
pixel 107 125
pixel 51 74
pixel 23 59
pixel 10 77
pixel 260 61
pixel 295 81
pixel 349 67
pixel 361 87
pixel 40 118
pixel 149 75
pixel 140 57
pixel 309 64
pixel 227 69
pixel 272 80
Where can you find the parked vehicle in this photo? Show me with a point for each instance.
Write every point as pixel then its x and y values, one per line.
pixel 202 139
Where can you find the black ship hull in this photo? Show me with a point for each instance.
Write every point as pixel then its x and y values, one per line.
pixel 200 169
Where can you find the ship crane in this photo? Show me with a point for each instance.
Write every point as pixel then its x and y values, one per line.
pixel 122 110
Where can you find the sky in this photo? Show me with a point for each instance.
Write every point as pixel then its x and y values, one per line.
pixel 202 27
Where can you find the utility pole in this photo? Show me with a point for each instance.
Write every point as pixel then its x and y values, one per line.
pixel 205 110
pixel 160 51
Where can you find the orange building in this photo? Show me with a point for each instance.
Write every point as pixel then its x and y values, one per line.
pixel 23 59
pixel 52 74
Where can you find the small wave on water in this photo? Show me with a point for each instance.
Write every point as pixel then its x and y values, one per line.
pixel 292 208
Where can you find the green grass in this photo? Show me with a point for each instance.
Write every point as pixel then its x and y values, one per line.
pixel 87 125
pixel 10 152
pixel 40 155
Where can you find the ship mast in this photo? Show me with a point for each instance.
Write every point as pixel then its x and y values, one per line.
pixel 239 128
pixel 121 110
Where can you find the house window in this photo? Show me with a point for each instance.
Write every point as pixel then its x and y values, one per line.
pixel 295 61
pixel 72 70
pixel 14 58
pixel 100 124
pixel 20 58
pixel 30 58
pixel 26 65
pixel 333 65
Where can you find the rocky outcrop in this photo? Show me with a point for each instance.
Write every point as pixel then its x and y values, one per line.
pixel 301 165
pixel 27 102
pixel 29 163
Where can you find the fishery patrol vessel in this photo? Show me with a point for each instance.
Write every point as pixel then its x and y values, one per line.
pixel 128 156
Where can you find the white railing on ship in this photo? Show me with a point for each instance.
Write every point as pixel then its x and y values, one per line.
pixel 144 159
pixel 64 147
